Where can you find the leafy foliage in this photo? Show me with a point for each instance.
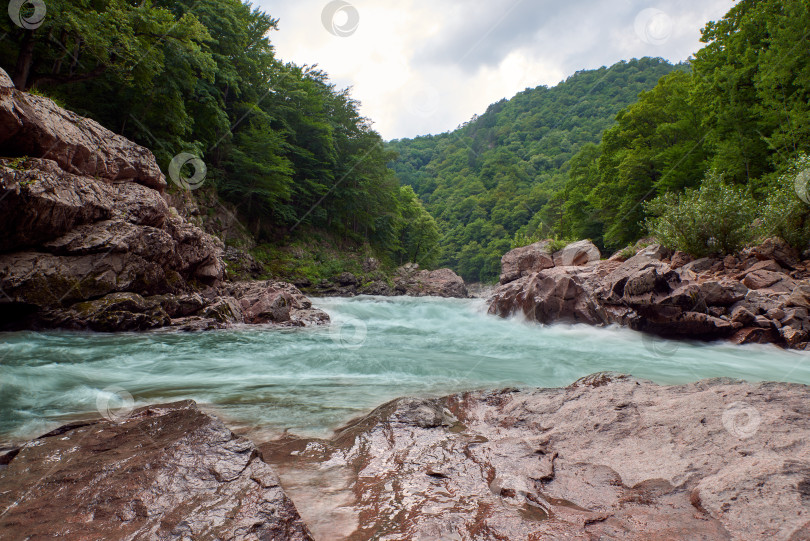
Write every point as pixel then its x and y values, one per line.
pixel 557 162
pixel 279 141
pixel 494 177
pixel 714 219
pixel 785 214
pixel 742 111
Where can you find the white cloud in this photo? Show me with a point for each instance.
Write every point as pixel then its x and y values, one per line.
pixel 426 66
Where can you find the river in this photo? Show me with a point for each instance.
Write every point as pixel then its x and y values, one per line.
pixel 312 380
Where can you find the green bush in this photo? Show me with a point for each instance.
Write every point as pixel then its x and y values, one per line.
pixel 786 212
pixel 555 243
pixel 715 219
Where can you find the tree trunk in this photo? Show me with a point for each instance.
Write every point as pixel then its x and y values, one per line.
pixel 25 60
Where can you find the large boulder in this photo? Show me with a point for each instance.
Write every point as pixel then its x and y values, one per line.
pixel 85 221
pixel 35 126
pixel 609 457
pixel 550 296
pixel 778 250
pixel 265 302
pixel 164 472
pixel 409 280
pixel 577 254
pixel 526 260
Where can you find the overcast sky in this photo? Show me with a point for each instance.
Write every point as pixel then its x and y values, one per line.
pixel 426 66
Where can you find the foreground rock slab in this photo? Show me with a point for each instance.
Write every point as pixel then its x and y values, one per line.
pixel 609 457
pixel 167 472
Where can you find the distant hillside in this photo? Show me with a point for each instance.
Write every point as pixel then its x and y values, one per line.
pixel 490 179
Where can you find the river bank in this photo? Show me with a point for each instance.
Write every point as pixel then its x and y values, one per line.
pixel 608 456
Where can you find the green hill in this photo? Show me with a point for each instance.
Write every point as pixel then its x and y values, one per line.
pixel 491 178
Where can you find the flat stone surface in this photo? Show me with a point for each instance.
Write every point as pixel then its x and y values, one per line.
pixel 609 457
pixel 166 472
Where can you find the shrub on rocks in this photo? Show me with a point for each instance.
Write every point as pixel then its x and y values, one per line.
pixel 712 220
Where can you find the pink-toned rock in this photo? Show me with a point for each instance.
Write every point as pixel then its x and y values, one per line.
pixel 762 279
pixel 679 259
pixel 274 302
pixel 35 126
pixel 549 296
pixel 88 237
pixel 702 300
pixel 409 280
pixel 778 250
pixel 767 265
pixel 526 260
pixel 165 472
pixel 609 457
pixel 577 254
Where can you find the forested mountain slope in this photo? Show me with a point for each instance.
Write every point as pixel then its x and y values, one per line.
pixel 489 179
pixel 201 78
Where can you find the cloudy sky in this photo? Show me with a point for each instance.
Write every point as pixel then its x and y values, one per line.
pixel 426 66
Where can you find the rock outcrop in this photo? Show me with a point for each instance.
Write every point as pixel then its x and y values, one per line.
pixel 609 457
pixel 748 298
pixel 166 472
pixel 408 280
pixel 411 281
pixel 90 242
pixel 540 256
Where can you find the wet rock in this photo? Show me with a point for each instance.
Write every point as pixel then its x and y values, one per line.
pixel 742 315
pixel 754 335
pixel 552 295
pixel 609 457
pixel 793 336
pixel 166 472
pixel 526 260
pixel 410 281
pixel 265 302
pixel 702 299
pixel 376 287
pixel 224 310
pixel 113 313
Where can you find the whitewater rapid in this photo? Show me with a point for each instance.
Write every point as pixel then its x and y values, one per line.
pixel 312 380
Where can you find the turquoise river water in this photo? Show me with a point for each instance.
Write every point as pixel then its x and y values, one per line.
pixel 312 380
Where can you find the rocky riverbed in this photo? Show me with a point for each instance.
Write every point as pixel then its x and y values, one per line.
pixel 761 295
pixel 608 457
